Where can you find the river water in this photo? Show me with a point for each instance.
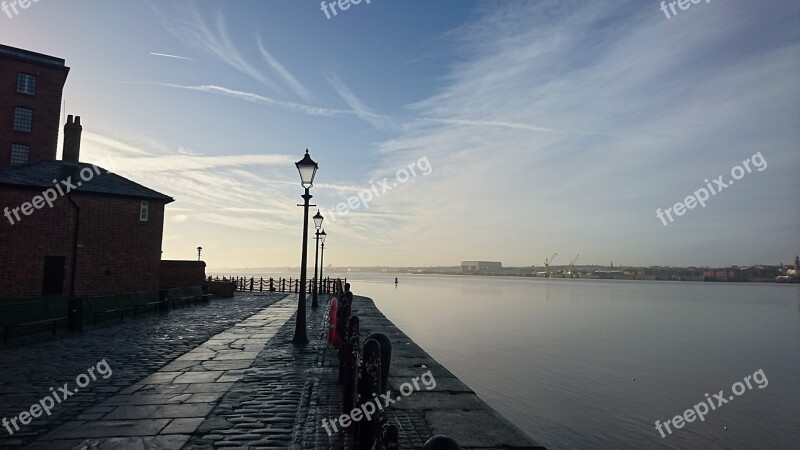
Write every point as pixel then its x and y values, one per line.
pixel 591 364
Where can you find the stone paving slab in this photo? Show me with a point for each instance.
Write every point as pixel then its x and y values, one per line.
pixel 144 415
pixel 276 402
pixel 134 349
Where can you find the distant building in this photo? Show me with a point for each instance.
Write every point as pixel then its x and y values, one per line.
pixel 66 227
pixel 481 266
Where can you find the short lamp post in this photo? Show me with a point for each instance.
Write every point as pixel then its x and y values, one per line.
pixel 199 249
pixel 308 169
pixel 317 224
pixel 322 286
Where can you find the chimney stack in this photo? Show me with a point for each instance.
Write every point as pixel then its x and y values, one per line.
pixel 72 139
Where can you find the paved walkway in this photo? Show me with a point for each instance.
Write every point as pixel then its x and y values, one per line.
pixel 133 349
pixel 226 375
pixel 165 408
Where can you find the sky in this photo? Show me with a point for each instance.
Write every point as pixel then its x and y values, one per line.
pixel 444 131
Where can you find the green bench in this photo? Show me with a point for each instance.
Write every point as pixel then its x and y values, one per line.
pixel 26 315
pixel 177 296
pixel 143 300
pixel 198 294
pixel 105 305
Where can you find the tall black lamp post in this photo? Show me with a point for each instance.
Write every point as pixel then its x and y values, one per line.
pixel 317 223
pixel 322 237
pixel 308 169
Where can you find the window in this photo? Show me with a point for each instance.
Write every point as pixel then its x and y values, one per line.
pixel 23 119
pixel 19 154
pixel 144 211
pixel 26 84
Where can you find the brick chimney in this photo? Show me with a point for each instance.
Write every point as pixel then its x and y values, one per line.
pixel 72 139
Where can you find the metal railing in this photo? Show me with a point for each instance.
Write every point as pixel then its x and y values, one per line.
pixel 280 284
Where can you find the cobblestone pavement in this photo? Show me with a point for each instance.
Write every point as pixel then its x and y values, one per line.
pixel 133 349
pixel 280 402
pixel 225 375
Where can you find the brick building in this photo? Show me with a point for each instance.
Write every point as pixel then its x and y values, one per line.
pixel 68 227
pixel 30 93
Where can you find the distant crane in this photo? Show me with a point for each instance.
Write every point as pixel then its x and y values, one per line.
pixel 572 273
pixel 547 263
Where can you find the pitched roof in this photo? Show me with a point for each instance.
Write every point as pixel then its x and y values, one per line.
pixel 46 174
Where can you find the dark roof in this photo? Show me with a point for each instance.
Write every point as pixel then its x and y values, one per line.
pixel 27 55
pixel 42 175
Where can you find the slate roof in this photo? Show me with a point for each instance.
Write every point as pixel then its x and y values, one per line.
pixel 41 175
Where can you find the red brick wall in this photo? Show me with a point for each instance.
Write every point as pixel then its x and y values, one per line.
pixel 46 106
pixel 118 254
pixel 178 273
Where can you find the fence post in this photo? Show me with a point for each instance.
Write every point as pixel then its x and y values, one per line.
pixel 251 283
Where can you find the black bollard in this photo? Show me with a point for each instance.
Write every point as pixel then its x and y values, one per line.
pixel 350 330
pixel 441 443
pixel 351 364
pixel 390 437
pixel 367 432
pixel 386 358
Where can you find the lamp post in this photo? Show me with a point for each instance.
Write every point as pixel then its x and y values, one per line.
pixel 308 169
pixel 199 249
pixel 317 223
pixel 322 237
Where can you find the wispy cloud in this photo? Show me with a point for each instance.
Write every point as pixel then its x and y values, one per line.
pixel 171 56
pixel 261 100
pixel 212 37
pixel 379 121
pixel 206 188
pixel 631 120
pixel 288 78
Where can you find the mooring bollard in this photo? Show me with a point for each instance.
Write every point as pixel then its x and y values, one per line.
pixel 441 443
pixel 367 431
pixel 347 332
pixel 352 363
pixel 386 358
pixel 390 437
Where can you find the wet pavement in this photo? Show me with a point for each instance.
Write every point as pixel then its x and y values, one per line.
pixel 226 375
pixel 133 350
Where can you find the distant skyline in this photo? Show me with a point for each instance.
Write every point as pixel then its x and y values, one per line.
pixel 547 126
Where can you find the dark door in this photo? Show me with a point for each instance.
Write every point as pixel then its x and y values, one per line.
pixel 53 275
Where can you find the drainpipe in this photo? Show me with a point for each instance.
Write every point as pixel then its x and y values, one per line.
pixel 75 308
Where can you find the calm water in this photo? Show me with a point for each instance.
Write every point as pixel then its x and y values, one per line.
pixel 559 357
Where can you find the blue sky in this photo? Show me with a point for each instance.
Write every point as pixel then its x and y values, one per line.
pixel 547 126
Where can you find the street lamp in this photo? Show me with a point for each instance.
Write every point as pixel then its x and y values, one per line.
pixel 322 237
pixel 199 249
pixel 317 223
pixel 308 169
